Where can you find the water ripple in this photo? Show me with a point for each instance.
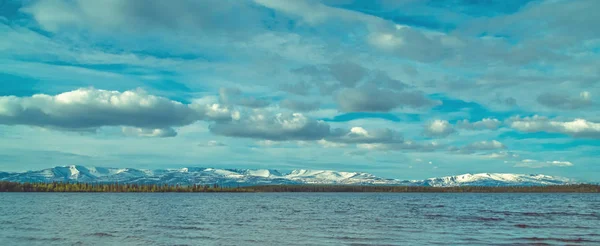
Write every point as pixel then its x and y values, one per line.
pixel 298 219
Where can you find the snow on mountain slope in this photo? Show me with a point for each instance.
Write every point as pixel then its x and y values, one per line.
pixel 496 179
pixel 4 175
pixel 197 175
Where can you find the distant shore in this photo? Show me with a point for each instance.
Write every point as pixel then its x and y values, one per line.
pixel 149 188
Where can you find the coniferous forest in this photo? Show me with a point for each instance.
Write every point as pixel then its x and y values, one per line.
pixel 116 187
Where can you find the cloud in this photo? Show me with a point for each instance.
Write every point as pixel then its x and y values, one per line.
pixel 300 106
pixel 296 126
pixel 328 144
pixel 406 145
pixel 484 124
pixel 478 146
pixel 347 73
pixel 502 155
pixel 359 135
pixel 539 164
pixel 359 89
pixel 212 143
pixel 372 99
pixel 510 101
pixel 415 44
pixel 233 96
pixel 300 88
pixel 438 129
pixel 579 128
pixel 136 15
pixel 383 79
pixel 252 102
pixel 144 132
pixel 89 108
pixel 565 102
pixel 552 18
pixel 278 127
pixel 314 13
pixel 216 112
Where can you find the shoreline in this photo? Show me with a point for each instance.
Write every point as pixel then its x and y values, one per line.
pixel 155 188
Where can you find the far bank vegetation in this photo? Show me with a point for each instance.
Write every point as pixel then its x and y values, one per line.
pixel 116 187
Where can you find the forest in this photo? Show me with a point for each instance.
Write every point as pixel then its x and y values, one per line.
pixel 116 187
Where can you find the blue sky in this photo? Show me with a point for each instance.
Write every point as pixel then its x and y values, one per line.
pixel 405 89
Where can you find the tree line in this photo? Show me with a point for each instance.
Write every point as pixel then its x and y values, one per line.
pixel 110 187
pixel 117 187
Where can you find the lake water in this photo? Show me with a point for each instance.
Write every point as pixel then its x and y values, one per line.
pixel 298 219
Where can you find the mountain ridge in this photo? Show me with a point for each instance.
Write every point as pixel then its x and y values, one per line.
pixel 247 177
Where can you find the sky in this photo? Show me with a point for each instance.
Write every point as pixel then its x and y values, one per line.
pixel 405 89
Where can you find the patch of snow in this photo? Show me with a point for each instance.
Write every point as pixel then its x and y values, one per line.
pixel 196 175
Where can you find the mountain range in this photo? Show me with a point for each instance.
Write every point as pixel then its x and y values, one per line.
pixel 247 177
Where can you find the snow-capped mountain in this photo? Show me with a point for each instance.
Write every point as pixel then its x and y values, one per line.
pixel 496 179
pixel 244 177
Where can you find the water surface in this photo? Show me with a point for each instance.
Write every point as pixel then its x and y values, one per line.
pixel 298 219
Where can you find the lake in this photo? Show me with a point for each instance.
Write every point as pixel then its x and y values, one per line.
pixel 298 219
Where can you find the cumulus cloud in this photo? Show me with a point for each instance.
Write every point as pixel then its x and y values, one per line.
pixel 564 101
pixel 296 126
pixel 359 135
pixel 438 129
pixel 278 127
pixel 484 124
pixel 215 112
pixel 579 128
pixel 478 146
pixel 299 106
pixel 529 163
pixel 372 99
pixel 90 108
pixel 87 109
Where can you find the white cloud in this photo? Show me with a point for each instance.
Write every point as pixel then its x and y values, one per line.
pixel 362 136
pixel 438 128
pixel 502 155
pixel 216 112
pixel 278 127
pixel 328 144
pixel 89 108
pixel 212 143
pixel 406 145
pixel 529 163
pixel 484 124
pixel 579 128
pixel 143 132
pixel 478 146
